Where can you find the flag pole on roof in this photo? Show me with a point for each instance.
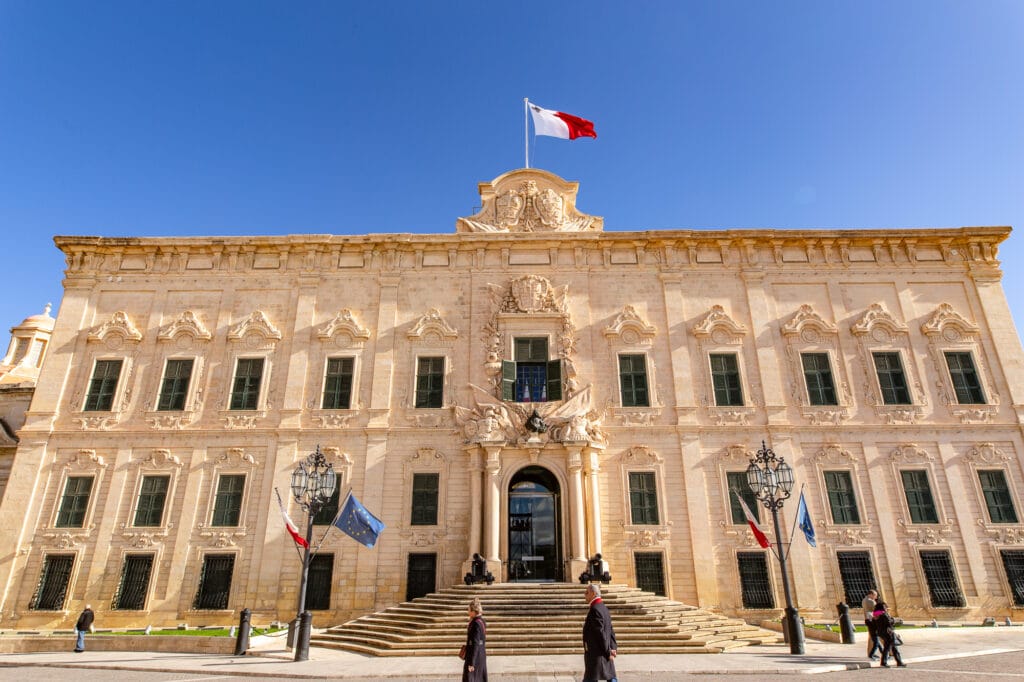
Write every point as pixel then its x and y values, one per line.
pixel 526 129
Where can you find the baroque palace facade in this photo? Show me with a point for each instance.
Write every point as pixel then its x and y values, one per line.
pixel 186 377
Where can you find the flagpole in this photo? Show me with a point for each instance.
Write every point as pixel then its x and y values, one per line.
pixel 795 519
pixel 526 129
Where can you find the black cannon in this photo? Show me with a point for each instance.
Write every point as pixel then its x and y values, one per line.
pixel 597 571
pixel 478 572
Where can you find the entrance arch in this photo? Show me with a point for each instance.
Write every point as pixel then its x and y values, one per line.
pixel 534 526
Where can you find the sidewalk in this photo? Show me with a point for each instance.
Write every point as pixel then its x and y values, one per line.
pixel 269 659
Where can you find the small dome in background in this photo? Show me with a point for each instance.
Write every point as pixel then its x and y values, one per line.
pixel 41 322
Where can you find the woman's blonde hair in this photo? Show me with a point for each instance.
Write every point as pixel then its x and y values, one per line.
pixel 476 607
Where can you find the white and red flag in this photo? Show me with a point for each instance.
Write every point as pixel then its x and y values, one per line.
pixel 560 124
pixel 289 526
pixel 762 539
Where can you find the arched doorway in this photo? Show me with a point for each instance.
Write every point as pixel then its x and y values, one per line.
pixel 534 527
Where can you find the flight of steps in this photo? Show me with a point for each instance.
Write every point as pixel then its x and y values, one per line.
pixel 540 619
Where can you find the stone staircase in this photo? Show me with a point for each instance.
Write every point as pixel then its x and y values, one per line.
pixel 534 619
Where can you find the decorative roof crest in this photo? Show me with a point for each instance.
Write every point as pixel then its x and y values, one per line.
pixel 529 200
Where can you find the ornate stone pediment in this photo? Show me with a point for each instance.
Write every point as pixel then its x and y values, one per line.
pixel 878 317
pixel 119 325
pixel 256 323
pixel 344 323
pixel 186 323
pixel 529 200
pixel 719 326
pixel 948 323
pixel 986 453
pixel 807 324
pixel 630 329
pixel 432 326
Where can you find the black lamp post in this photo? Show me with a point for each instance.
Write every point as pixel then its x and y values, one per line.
pixel 771 479
pixel 313 484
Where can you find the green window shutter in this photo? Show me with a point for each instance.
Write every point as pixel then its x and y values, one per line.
pixel 555 379
pixel 737 483
pixel 841 500
pixel 919 497
pixel 508 380
pixel 997 496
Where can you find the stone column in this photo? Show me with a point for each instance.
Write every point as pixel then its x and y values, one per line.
pixel 577 519
pixel 475 502
pixel 492 509
pixel 593 467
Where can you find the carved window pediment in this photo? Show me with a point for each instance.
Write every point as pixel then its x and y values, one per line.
pixel 432 328
pixel 344 325
pixel 188 323
pixel 948 324
pixel 256 324
pixel 808 325
pixel 628 328
pixel 118 329
pixel 877 317
pixel 719 327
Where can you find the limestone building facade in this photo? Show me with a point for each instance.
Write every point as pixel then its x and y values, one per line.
pixel 532 388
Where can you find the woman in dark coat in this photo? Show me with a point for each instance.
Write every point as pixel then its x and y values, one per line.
pixel 885 626
pixel 474 668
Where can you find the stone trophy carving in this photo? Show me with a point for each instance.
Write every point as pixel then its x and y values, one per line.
pixel 574 420
pixel 529 200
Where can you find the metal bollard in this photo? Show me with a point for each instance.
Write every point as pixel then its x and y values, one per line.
pixel 302 641
pixel 293 632
pixel 242 641
pixel 846 623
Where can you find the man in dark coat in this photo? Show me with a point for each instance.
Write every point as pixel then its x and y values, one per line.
pixel 599 646
pixel 83 624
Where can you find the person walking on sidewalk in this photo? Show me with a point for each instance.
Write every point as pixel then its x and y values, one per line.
pixel 84 623
pixel 874 647
pixel 474 668
pixel 885 626
pixel 599 645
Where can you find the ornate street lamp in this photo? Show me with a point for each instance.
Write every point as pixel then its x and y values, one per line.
pixel 313 484
pixel 771 480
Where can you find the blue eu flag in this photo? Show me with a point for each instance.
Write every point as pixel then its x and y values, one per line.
pixel 358 523
pixel 803 520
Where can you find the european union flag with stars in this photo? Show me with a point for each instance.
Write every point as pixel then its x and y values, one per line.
pixel 358 523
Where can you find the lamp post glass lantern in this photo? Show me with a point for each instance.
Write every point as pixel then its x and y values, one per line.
pixel 771 480
pixel 313 483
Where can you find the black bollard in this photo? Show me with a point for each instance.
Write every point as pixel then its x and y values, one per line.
pixel 845 623
pixel 293 633
pixel 242 639
pixel 302 641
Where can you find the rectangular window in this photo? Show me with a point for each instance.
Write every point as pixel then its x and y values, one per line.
pixel 103 385
pixel 997 496
pixel 318 586
pixel 841 499
pixel 430 382
pixel 818 376
pixel 919 496
pixel 53 583
pixel 245 392
pixel 643 498
pixel 754 582
pixel 227 508
pixel 338 384
pixel 531 377
pixel 725 374
pixel 325 516
pixel 965 379
pixel 421 576
pixel 891 379
pixel 74 502
pixel 650 572
pixel 633 380
pixel 424 499
pixel 152 496
pixel 857 575
pixel 134 586
pixel 941 578
pixel 174 389
pixel 1013 562
pixel 737 482
pixel 215 582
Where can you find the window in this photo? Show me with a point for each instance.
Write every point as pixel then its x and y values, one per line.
pixel 754 582
pixel 245 393
pixel 421 577
pixel 857 575
pixel 737 482
pixel 329 510
pixel 650 572
pixel 891 379
pixel 818 376
pixel 725 376
pixel 53 582
pixel 215 582
pixel 227 507
pixel 338 384
pixel 633 380
pixel 131 592
pixel 21 346
pixel 997 496
pixel 941 578
pixel 919 496
pixel 152 496
pixel 74 502
pixel 318 586
pixel 643 498
pixel 531 377
pixel 174 388
pixel 841 499
pixel 102 386
pixel 430 382
pixel 1013 562
pixel 424 499
pixel 966 383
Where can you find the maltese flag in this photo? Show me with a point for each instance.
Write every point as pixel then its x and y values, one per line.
pixel 560 124
pixel 288 525
pixel 756 529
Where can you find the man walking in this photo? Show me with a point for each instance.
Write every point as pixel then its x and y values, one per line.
pixel 599 646
pixel 84 623
pixel 869 609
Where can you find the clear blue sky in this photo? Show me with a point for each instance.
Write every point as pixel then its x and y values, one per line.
pixel 237 118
